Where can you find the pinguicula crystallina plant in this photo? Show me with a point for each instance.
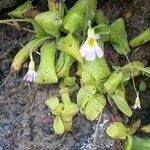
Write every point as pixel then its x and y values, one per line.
pixel 61 37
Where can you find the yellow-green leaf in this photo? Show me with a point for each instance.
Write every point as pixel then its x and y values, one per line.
pixel 116 130
pixel 46 72
pixel 69 111
pixel 134 126
pixel 128 144
pixel 63 64
pixel 95 106
pixel 98 69
pixel 58 109
pixel 118 97
pixel 113 81
pixel 58 125
pixel 50 21
pixel 141 38
pixel 52 102
pixel 21 10
pixel 86 78
pixel 146 128
pixel 71 46
pixel 140 143
pixel 85 93
pixel 118 37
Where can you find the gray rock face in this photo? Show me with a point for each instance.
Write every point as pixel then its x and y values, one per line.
pixel 24 120
pixel 9 3
pixel 4 4
pixel 24 123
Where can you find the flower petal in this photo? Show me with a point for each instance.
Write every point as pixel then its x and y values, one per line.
pixel 134 106
pixel 98 50
pixel 25 77
pixel 34 76
pixel 83 49
pixel 97 36
pixel 90 55
pixel 30 76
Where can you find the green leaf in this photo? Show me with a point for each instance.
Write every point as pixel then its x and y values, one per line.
pixel 69 81
pixel 23 54
pixel 79 69
pixel 128 144
pixel 100 87
pixel 145 71
pixel 146 128
pixel 141 38
pixel 21 10
pixel 140 143
pixel 46 72
pixel 91 6
pixel 71 46
pixel 95 106
pixel 58 125
pixel 58 109
pixel 142 86
pixel 118 37
pixel 38 29
pixel 75 17
pixel 50 21
pixel 134 126
pixel 98 69
pixel 63 64
pixel 85 93
pixel 86 78
pixel 69 111
pixel 103 30
pixel 100 17
pixel 64 92
pixel 136 69
pixel 118 97
pixel 52 102
pixel 117 130
pixel 113 81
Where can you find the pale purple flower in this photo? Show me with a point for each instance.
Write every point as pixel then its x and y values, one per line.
pixel 30 76
pixel 90 49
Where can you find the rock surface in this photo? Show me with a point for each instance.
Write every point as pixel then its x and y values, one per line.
pixel 24 120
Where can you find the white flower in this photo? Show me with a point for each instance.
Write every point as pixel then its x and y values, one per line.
pixel 90 49
pixel 31 74
pixel 137 102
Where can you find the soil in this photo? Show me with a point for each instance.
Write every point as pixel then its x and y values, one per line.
pixel 24 120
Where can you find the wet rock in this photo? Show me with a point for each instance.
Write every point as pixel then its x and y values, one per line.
pixel 4 136
pixel 22 108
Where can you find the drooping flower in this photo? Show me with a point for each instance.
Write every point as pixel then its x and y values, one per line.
pixel 31 74
pixel 137 102
pixel 90 49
